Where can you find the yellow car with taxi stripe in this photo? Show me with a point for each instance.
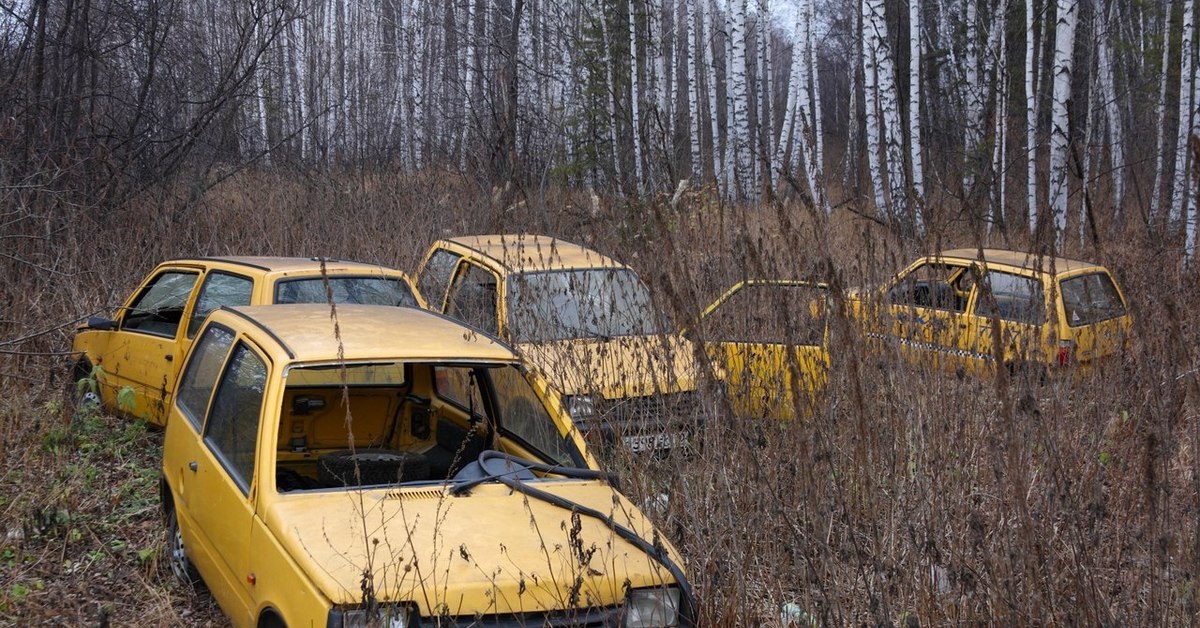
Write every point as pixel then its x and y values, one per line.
pixel 393 467
pixel 969 310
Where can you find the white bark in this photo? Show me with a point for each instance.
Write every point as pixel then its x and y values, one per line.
pixel 692 66
pixel 972 130
pixel 1064 45
pixel 1160 144
pixel 636 98
pixel 871 101
pixel 1000 146
pixel 889 109
pixel 737 101
pixel 1031 197
pixel 818 129
pixel 916 49
pixel 1181 198
pixel 1116 133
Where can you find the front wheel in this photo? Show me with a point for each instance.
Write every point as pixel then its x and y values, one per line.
pixel 181 565
pixel 83 391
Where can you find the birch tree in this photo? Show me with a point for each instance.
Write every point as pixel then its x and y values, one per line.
pixel 1064 44
pixel 1181 199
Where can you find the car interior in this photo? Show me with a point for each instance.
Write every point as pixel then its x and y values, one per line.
pixel 386 424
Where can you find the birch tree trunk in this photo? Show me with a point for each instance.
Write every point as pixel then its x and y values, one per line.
pixel 1160 145
pixel 1031 145
pixel 972 132
pixel 1064 45
pixel 737 101
pixel 871 103
pixel 1181 199
pixel 916 49
pixel 1116 136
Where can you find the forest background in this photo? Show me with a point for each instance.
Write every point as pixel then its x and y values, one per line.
pixel 701 141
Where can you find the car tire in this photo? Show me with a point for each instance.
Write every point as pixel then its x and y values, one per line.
pixel 181 565
pixel 375 466
pixel 79 397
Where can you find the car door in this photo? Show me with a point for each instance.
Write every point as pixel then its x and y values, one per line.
pixel 146 350
pixel 218 489
pixel 924 309
pixel 768 340
pixel 474 297
pixel 433 280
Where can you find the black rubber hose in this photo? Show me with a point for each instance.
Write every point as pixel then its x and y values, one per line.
pixel 688 615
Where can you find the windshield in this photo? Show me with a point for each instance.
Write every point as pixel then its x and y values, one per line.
pixel 589 303
pixel 343 425
pixel 359 290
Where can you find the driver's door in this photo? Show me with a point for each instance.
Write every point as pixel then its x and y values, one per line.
pixel 147 349
pixel 925 308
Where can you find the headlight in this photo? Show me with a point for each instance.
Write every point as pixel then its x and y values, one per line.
pixel 581 407
pixel 383 616
pixel 652 608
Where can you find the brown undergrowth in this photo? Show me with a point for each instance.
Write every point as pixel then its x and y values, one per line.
pixel 908 496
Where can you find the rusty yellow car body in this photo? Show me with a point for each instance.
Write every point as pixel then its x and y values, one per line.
pixel 141 348
pixel 584 320
pixel 968 310
pixel 422 528
pixel 768 339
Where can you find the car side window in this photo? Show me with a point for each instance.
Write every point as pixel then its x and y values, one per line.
pixel 196 386
pixel 231 432
pixel 219 289
pixel 1090 299
pixel 159 309
pixel 435 277
pixel 936 286
pixel 473 297
pixel 1011 297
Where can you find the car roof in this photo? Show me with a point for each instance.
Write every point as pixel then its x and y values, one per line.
pixel 525 251
pixel 1018 259
pixel 273 264
pixel 371 332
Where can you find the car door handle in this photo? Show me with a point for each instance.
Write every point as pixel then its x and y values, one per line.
pixel 193 466
pixel 170 358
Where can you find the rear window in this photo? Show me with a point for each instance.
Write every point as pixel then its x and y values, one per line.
pixel 357 290
pixel 1090 299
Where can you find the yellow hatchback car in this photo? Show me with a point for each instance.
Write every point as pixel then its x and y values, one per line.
pixel 585 321
pixel 951 308
pixel 140 350
pixel 399 469
pixel 769 339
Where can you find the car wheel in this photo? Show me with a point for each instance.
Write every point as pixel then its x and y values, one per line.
pixel 375 466
pixel 82 394
pixel 181 565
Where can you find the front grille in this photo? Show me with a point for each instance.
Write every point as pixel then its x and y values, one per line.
pixel 650 411
pixel 580 618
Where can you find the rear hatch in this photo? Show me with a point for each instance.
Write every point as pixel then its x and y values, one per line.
pixel 1095 318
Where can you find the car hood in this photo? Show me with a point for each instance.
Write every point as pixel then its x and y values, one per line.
pixel 625 366
pixel 489 551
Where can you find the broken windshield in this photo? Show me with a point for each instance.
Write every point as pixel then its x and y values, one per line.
pixel 590 303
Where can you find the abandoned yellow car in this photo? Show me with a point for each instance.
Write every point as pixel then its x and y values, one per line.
pixel 584 320
pixel 399 469
pixel 768 339
pixel 968 310
pixel 140 350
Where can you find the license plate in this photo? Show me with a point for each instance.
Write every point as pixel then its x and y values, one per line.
pixel 651 442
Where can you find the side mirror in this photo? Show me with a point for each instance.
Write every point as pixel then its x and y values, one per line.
pixel 101 323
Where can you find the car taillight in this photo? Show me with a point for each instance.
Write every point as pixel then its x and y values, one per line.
pixel 1066 353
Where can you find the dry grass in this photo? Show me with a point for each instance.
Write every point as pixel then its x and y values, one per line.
pixel 911 496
